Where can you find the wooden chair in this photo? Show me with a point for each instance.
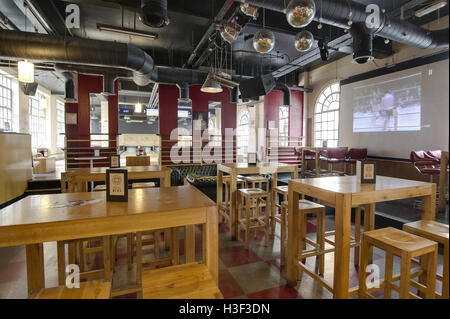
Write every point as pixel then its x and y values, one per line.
pixel 406 246
pixel 96 289
pixel 250 200
pixel 437 232
pixel 276 207
pixel 100 188
pixel 305 208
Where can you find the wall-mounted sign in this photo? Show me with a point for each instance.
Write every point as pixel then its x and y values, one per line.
pixel 117 185
pixel 114 161
pixel 71 118
pixel 125 111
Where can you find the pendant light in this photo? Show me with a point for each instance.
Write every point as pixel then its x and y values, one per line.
pixel 25 68
pixel 211 85
pixel 304 41
pixel 300 13
pixel 264 40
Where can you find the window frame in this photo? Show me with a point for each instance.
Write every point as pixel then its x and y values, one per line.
pixel 6 103
pixel 326 116
pixel 283 122
pixel 243 137
pixel 38 122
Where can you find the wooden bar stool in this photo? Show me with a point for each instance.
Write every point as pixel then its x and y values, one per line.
pixel 250 200
pixel 437 232
pixel 406 246
pixel 305 208
pixel 276 207
pixel 224 207
pixel 256 181
pixel 76 256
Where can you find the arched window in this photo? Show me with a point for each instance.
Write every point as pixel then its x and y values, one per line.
pixel 283 129
pixel 243 132
pixel 326 117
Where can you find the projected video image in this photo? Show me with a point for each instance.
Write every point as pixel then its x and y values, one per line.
pixel 393 105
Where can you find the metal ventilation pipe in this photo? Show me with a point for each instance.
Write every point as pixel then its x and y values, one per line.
pixel 69 86
pixel 286 93
pixel 337 13
pixel 362 43
pixel 154 13
pixel 184 90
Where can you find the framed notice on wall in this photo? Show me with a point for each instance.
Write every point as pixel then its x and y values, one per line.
pixel 114 161
pixel 117 185
pixel 71 118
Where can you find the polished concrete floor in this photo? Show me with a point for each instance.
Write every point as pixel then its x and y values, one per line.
pixel 253 273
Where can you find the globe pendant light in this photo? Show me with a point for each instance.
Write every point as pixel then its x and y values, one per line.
pixel 300 13
pixel 230 31
pixel 26 71
pixel 211 86
pixel 249 10
pixel 264 40
pixel 304 41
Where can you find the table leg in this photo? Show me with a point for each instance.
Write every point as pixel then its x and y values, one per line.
pixel 92 183
pixel 35 267
pixel 342 246
pixel 303 164
pixel 292 246
pixel 233 211
pixel 443 182
pixel 166 180
pixel 189 243
pixel 212 241
pixel 429 205
pixel 317 163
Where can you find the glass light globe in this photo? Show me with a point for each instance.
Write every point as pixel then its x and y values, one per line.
pixel 300 13
pixel 264 41
pixel 249 10
pixel 230 32
pixel 304 41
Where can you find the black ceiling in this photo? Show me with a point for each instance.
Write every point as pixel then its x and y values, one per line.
pixel 189 22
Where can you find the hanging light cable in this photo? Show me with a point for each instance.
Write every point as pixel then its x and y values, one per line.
pixel 25 68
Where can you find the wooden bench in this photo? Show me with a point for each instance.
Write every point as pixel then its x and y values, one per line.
pixel 95 289
pixel 187 281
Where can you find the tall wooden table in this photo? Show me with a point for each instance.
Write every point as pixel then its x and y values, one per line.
pixel 443 180
pixel 317 151
pixel 343 192
pixel 58 217
pixel 78 178
pixel 235 169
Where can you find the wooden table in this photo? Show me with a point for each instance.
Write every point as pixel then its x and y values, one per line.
pixel 44 218
pixel 235 169
pixel 316 150
pixel 443 179
pixel 343 192
pixel 91 160
pixel 78 178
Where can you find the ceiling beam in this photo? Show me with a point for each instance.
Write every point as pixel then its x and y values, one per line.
pixel 33 16
pixel 52 16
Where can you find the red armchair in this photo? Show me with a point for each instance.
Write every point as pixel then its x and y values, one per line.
pixel 355 154
pixel 334 156
pixel 425 163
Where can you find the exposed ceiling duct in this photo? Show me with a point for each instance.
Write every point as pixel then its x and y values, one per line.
pixel 154 13
pixel 184 91
pixel 286 93
pixel 338 13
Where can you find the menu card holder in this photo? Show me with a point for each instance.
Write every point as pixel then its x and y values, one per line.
pixel 114 161
pixel 117 185
pixel 368 172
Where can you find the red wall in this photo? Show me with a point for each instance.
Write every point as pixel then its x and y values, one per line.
pixel 272 103
pixel 87 84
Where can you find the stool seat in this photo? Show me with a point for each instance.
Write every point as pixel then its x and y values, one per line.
pixel 100 188
pixel 143 185
pixel 253 191
pixel 281 189
pixel 429 229
pixel 398 241
pixel 255 178
pixel 306 205
pixel 187 281
pixel 95 289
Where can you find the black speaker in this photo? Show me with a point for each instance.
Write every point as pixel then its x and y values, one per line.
pixel 258 86
pixel 30 88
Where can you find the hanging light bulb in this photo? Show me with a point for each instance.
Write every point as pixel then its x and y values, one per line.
pixel 300 13
pixel 264 41
pixel 249 10
pixel 304 41
pixel 230 31
pixel 26 71
pixel 138 108
pixel 211 86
